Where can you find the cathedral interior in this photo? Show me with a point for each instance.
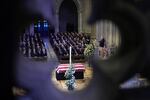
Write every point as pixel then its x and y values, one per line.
pixel 55 61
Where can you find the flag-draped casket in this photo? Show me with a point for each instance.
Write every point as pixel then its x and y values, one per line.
pixel 61 69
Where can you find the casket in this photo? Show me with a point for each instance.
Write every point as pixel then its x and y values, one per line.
pixel 61 69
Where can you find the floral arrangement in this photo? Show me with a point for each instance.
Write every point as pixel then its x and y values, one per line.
pixel 89 49
pixel 69 74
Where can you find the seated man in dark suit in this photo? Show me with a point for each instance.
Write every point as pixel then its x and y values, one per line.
pixel 102 42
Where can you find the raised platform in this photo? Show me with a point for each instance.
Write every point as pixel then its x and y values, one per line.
pixel 79 83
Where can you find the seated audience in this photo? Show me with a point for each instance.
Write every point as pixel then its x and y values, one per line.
pixel 32 45
pixel 62 41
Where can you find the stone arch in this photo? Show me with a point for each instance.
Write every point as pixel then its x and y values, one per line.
pixel 77 3
pixel 79 10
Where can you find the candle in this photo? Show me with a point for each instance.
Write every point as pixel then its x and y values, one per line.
pixel 70 56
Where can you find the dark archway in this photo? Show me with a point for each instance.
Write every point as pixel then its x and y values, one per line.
pixel 68 17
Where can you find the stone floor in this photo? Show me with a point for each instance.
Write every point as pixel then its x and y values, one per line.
pixel 80 83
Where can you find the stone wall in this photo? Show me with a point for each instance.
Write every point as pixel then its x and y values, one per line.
pixel 84 8
pixel 96 31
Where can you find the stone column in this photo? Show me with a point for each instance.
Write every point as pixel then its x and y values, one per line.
pixel 110 32
pixel 80 21
pixel 57 23
pixel 117 36
pixel 105 32
pixel 114 34
pixel 97 31
pixel 27 30
pixel 101 30
pixel 31 29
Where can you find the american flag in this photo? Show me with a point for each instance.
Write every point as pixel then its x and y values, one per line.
pixel 79 67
